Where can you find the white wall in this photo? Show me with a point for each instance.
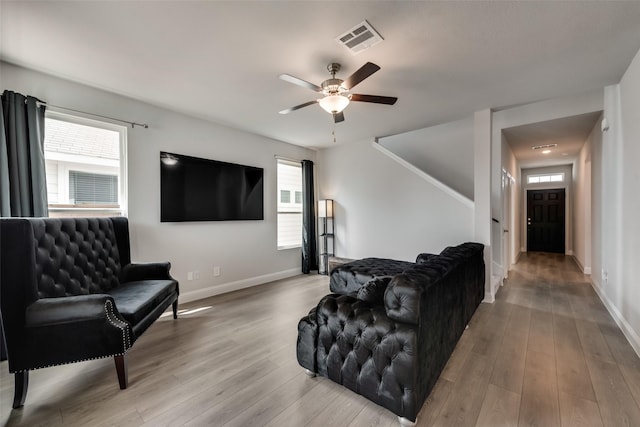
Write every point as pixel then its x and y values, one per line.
pixel 615 224
pixel 582 201
pixel 443 151
pixel 245 251
pixel 383 209
pixel 512 222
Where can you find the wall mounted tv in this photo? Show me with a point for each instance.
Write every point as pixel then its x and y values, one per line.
pixel 195 189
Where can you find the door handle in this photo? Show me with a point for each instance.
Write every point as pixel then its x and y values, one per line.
pixel 505 231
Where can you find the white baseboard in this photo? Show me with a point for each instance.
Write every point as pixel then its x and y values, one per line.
pixel 624 326
pixel 585 270
pixel 237 285
pixel 490 295
pixel 489 298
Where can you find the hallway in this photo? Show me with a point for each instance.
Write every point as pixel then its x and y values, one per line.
pixel 546 353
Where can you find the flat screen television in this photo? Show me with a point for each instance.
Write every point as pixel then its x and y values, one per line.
pixel 195 189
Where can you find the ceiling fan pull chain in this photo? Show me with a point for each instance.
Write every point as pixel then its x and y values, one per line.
pixel 334 133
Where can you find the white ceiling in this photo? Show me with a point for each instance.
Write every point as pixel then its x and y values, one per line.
pixel 569 133
pixel 219 60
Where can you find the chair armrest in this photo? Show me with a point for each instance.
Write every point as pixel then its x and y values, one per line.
pixel 145 271
pixel 57 311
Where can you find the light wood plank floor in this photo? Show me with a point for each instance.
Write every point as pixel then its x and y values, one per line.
pixel 546 353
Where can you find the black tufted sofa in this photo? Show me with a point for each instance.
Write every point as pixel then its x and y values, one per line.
pixel 69 292
pixel 389 339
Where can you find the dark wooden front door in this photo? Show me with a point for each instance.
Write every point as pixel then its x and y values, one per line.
pixel 545 220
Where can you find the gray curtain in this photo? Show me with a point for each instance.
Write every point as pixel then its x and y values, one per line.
pixel 309 247
pixel 23 187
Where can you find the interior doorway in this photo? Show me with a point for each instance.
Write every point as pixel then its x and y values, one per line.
pixel 546 220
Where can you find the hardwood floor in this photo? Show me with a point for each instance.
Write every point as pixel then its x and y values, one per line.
pixel 546 353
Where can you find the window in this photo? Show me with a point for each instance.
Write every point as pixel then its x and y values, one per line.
pixel 540 179
pixel 85 166
pixel 289 211
pixel 93 188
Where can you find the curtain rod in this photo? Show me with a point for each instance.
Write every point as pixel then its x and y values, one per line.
pixel 133 124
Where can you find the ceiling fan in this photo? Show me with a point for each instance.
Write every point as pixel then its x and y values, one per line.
pixel 337 91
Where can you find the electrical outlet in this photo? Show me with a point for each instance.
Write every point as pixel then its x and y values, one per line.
pixel 216 271
pixel 196 275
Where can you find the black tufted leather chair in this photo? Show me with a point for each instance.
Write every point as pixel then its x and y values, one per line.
pixel 69 292
pixel 390 339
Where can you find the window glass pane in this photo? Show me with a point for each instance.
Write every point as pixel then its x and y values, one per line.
pixel 533 179
pixel 91 188
pixel 545 178
pixel 557 177
pixel 289 207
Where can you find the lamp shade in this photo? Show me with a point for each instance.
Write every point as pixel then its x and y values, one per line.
pixel 334 103
pixel 325 208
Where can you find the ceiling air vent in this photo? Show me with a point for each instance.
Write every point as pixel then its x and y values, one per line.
pixel 359 38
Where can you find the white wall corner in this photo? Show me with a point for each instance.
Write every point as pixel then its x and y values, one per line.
pixel 482 191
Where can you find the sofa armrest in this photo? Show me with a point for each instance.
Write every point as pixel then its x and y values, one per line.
pixel 145 271
pixel 72 309
pixel 402 299
pixel 307 341
pixel 360 347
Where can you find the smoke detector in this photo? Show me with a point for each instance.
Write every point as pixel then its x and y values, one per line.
pixel 359 38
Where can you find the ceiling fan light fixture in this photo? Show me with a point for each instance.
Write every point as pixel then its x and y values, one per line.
pixel 334 103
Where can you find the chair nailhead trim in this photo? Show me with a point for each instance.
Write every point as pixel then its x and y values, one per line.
pixel 111 317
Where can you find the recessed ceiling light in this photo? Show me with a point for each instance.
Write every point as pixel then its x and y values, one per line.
pixel 546 151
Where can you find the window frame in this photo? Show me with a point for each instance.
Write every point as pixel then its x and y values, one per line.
pixel 290 205
pixel 63 172
pixel 548 178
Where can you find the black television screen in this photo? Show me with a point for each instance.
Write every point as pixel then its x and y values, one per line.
pixel 195 189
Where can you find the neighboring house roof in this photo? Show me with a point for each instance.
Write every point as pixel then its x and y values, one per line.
pixel 72 138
